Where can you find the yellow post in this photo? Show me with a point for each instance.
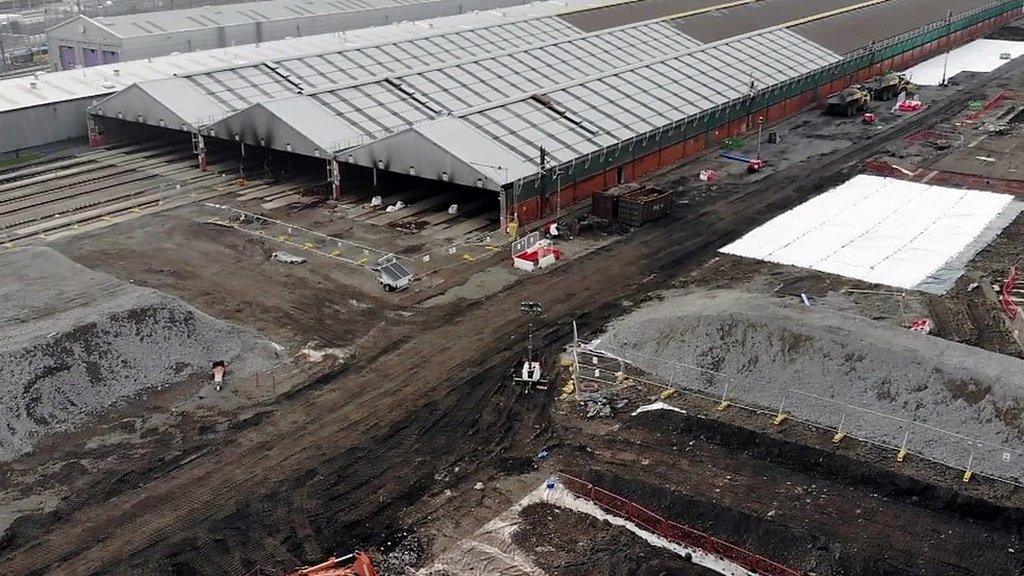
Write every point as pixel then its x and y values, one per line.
pixel 902 454
pixel 725 399
pixel 781 416
pixel 839 431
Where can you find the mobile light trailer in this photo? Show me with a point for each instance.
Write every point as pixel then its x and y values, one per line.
pixel 529 372
pixel 392 275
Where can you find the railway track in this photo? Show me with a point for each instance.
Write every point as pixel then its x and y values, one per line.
pixel 100 188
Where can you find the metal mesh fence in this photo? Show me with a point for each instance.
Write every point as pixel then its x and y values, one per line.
pixel 606 368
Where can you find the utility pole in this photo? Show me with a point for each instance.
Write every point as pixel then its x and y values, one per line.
pixel 945 61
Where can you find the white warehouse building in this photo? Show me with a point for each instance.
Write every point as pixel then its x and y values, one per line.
pixel 91 41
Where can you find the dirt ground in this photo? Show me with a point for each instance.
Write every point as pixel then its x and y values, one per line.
pixel 394 441
pixel 564 542
pixel 790 495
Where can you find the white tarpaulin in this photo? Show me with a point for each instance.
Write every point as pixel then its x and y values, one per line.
pixel 885 231
pixel 978 56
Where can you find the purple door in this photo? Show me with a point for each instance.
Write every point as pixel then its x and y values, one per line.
pixel 92 56
pixel 67 58
pixel 109 57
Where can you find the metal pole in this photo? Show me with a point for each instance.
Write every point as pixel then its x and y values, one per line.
pixel 576 357
pixel 3 53
pixel 529 346
pixel 945 61
pixel 503 201
pixel 558 196
pixel 515 198
pixel 760 126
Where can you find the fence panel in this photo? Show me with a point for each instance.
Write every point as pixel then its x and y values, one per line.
pixel 675 532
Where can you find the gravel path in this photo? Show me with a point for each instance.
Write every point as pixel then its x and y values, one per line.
pixel 74 341
pixel 880 381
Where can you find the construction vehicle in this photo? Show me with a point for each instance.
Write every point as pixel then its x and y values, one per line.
pixel 355 564
pixel 849 102
pixel 888 86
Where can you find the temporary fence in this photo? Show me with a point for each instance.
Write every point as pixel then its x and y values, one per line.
pixel 674 532
pixel 987 107
pixel 608 369
pixel 1006 294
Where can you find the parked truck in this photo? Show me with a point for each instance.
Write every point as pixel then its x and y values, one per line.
pixel 888 86
pixel 849 102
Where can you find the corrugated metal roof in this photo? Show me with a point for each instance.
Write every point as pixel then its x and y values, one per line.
pixel 584 117
pixel 633 12
pixel 149 23
pixel 234 89
pixel 855 29
pixel 728 22
pixel 98 81
pixel 382 106
pixel 575 120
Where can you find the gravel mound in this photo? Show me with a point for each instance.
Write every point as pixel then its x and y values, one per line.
pixel 74 341
pixel 953 403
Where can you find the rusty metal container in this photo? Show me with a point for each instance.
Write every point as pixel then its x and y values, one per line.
pixel 639 207
pixel 605 203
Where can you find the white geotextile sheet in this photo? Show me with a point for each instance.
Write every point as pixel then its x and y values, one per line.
pixel 978 56
pixel 880 230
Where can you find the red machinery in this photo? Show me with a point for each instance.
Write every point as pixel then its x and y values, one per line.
pixel 357 564
pixel 869 118
pixel 753 164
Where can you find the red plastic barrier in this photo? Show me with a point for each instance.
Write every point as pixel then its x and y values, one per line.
pixel 1006 297
pixel 987 107
pixel 673 531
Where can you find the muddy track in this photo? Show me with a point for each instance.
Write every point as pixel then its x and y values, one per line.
pixel 361 447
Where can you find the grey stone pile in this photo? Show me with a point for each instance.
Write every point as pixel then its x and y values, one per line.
pixel 74 342
pixel 950 402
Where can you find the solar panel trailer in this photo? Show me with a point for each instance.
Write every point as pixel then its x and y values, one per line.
pixel 392 275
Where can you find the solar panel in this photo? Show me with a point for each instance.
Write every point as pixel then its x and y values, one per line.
pixel 393 271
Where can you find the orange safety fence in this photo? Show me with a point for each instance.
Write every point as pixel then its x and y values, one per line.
pixel 1006 296
pixel 675 532
pixel 987 106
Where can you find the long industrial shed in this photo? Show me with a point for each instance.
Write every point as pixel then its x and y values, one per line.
pixel 610 94
pixel 51 107
pixel 89 41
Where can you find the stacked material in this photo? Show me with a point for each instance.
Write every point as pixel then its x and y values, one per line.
pixel 885 231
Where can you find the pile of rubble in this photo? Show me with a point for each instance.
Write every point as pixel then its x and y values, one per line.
pixel 74 341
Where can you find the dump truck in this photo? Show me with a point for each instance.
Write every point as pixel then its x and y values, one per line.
pixel 888 86
pixel 849 102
